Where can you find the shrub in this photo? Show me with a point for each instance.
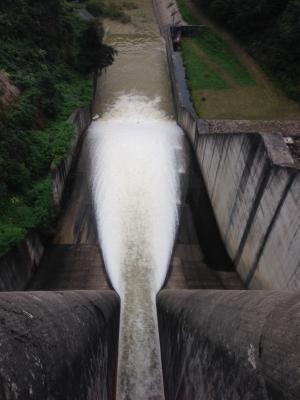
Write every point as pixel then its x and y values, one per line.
pixel 96 7
pixel 41 44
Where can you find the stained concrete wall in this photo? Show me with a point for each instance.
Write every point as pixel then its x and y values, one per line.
pixel 254 189
pixel 229 344
pixel 256 201
pixel 58 345
pixel 81 119
pixel 18 265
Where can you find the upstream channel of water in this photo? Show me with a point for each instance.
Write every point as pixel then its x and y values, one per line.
pixel 135 169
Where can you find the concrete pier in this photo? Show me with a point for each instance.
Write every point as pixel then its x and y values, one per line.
pixel 58 345
pixel 230 344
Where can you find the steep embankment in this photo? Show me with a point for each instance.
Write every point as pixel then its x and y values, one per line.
pixel 47 53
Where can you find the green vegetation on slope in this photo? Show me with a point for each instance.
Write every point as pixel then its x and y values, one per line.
pixel 187 13
pixel 270 29
pixel 221 86
pixel 110 9
pixel 201 76
pixel 219 52
pixel 47 51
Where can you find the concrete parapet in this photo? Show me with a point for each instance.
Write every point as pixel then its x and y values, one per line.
pixel 230 344
pixel 58 345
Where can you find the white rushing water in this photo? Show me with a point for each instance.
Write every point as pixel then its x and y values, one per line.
pixel 135 186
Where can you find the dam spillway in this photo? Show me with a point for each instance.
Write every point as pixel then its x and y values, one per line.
pixel 135 185
pixel 210 342
pixel 136 157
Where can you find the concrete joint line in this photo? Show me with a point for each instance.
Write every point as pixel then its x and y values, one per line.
pixel 265 175
pixel 269 230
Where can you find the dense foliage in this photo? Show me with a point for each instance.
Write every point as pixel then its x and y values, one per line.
pixel 271 29
pixel 47 52
pixel 109 9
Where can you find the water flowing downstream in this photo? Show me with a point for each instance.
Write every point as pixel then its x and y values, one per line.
pixel 135 169
pixel 135 187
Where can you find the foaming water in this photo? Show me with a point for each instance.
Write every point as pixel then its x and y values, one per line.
pixel 135 188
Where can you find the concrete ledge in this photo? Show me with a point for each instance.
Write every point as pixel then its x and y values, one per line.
pixel 58 345
pixel 230 344
pixel 285 127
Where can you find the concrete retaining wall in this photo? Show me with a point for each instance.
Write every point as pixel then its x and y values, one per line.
pixel 229 344
pixel 256 201
pixel 254 188
pixel 18 265
pixel 58 345
pixel 81 119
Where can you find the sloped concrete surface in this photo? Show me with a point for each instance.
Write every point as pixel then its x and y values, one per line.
pixel 58 345
pixel 230 344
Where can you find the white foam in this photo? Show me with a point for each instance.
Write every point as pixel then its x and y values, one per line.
pixel 135 186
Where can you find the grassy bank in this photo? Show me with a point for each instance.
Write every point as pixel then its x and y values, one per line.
pixel 221 85
pixel 268 29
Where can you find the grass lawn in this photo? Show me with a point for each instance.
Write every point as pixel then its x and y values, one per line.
pixel 187 13
pixel 219 52
pixel 221 86
pixel 201 76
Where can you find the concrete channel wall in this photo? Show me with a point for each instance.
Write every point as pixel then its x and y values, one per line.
pixel 58 345
pixel 253 185
pixel 256 201
pixel 229 344
pixel 18 265
pixel 81 118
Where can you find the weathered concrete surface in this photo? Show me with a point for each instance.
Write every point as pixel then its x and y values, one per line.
pixel 71 267
pixel 81 119
pixel 76 224
pixel 58 345
pixel 191 268
pixel 73 260
pixel 230 344
pixel 284 127
pixel 256 201
pixel 18 266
